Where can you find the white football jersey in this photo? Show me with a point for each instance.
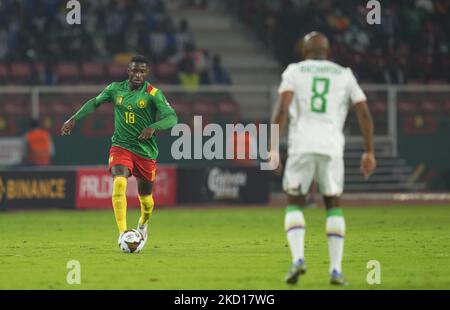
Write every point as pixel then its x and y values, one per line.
pixel 323 93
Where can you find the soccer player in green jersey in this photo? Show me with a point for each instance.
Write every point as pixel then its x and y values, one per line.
pixel 139 110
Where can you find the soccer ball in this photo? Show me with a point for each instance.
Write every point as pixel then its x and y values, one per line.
pixel 131 241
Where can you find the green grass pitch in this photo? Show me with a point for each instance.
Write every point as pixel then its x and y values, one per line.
pixel 223 249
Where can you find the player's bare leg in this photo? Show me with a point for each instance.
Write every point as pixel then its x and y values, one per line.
pixel 145 190
pixel 335 227
pixel 119 199
pixel 294 224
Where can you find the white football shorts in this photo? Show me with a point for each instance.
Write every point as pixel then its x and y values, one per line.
pixel 302 169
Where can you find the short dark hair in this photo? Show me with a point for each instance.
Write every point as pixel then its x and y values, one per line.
pixel 140 59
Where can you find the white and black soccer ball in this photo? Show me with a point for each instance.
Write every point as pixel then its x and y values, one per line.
pixel 131 241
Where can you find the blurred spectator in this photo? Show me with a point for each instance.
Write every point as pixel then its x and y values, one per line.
pixel 338 21
pixel 40 147
pixel 427 5
pixel 196 64
pixel 4 39
pixel 357 38
pixel 188 76
pixel 391 24
pixel 183 35
pixel 198 57
pixel 205 69
pixel 115 27
pixel 162 42
pixel 48 75
pixel 190 52
pixel 219 75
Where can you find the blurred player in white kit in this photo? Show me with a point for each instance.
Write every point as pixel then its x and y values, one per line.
pixel 315 96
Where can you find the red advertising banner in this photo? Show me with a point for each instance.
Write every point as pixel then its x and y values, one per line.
pixel 94 188
pixel 165 190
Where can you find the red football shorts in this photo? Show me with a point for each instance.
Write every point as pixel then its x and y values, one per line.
pixel 138 166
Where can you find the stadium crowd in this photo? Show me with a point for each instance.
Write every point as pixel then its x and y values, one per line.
pixel 411 45
pixel 40 47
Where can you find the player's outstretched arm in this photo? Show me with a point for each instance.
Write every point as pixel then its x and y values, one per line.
pixel 167 120
pixel 167 117
pixel 368 161
pixel 85 110
pixel 89 107
pixel 146 133
pixel 67 127
pixel 281 113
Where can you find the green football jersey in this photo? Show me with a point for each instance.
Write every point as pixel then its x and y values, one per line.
pixel 134 110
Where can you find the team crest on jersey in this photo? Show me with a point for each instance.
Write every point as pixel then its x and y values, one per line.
pixel 119 100
pixel 129 107
pixel 142 104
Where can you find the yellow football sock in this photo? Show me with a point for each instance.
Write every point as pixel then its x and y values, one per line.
pixel 119 202
pixel 147 205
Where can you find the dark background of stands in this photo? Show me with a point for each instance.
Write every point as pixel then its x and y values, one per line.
pixel 38 46
pixel 411 45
